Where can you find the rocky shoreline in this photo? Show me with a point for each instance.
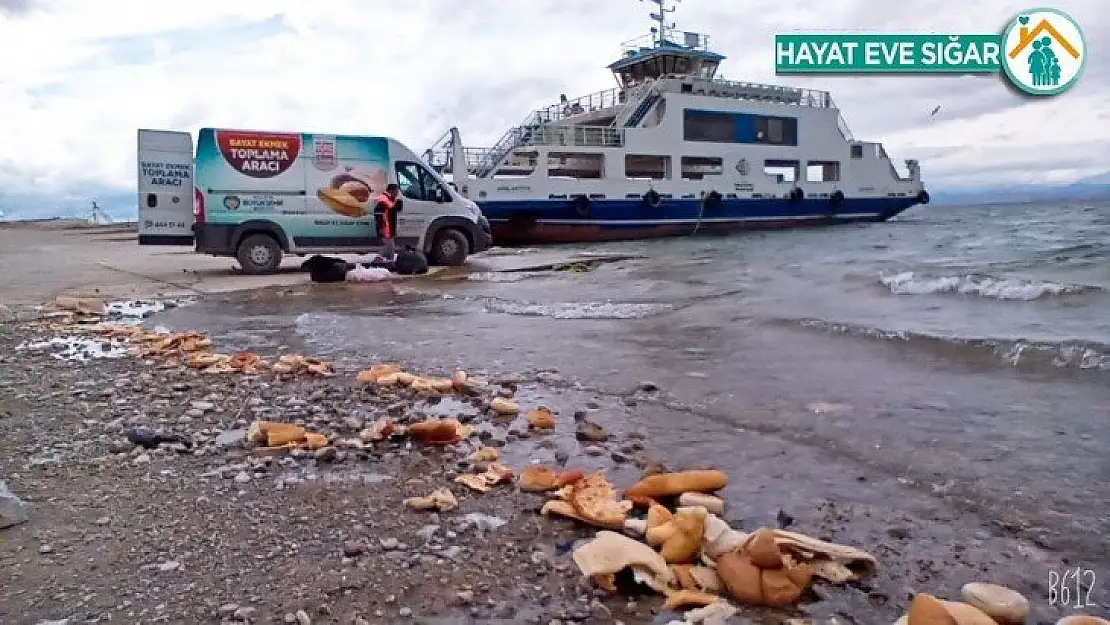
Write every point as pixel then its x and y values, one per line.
pixel 149 502
pixel 208 529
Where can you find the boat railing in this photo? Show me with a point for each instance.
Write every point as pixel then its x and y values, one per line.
pixel 485 161
pixel 685 39
pixel 841 123
pixel 591 103
pixel 439 155
pixel 574 136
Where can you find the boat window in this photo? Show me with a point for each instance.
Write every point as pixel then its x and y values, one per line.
pixel 519 164
pixel 579 165
pixel 857 151
pixel 709 126
pixel 642 166
pixel 776 130
pixel 721 127
pixel 698 167
pixel 823 171
pixel 783 171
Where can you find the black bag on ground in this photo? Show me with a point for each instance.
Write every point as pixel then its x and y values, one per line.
pixel 379 262
pixel 327 268
pixel 410 262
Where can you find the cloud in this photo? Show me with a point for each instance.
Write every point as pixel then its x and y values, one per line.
pixel 15 7
pixel 85 78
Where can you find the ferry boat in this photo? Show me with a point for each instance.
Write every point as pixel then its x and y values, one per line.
pixel 675 150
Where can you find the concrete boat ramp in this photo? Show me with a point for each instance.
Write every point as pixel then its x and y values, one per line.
pixel 510 260
pixel 106 261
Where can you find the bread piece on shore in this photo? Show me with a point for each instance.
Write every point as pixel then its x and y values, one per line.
pixel 504 407
pixel 682 599
pixel 741 578
pixel 540 478
pixel 1082 619
pixel 439 431
pixel 684 543
pixel 763 551
pixel 672 484
pixel 925 609
pixel 966 614
pixel 377 371
pixel 275 433
pixel 715 505
pixel 541 418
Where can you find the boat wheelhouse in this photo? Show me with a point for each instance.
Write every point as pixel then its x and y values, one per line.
pixel 675 150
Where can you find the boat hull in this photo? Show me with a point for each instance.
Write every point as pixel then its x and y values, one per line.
pixel 530 222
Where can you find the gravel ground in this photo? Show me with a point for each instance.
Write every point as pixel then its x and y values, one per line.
pixel 220 532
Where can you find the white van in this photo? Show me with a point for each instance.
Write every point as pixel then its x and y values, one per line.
pixel 258 195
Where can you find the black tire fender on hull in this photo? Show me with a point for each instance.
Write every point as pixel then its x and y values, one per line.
pixel 711 200
pixel 580 204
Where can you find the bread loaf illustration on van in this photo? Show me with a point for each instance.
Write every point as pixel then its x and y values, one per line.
pixel 351 193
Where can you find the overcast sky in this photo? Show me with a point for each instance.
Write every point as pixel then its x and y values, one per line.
pixel 78 77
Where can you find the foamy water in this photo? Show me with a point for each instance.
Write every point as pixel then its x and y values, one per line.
pixel 911 283
pixel 577 310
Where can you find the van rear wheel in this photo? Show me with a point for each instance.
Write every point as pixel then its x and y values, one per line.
pixel 259 254
pixel 450 248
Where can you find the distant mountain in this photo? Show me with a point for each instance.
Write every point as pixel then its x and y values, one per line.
pixel 21 206
pixel 1092 188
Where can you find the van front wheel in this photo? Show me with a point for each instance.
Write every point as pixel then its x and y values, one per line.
pixel 449 248
pixel 259 254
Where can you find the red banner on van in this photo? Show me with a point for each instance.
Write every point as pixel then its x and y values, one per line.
pixel 259 154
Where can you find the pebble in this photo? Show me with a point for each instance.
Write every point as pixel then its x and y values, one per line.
pixel 242 477
pixel 405 612
pixel 589 431
pixel 302 618
pixel 12 509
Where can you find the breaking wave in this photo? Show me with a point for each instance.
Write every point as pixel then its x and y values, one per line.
pixel 910 283
pixel 1073 354
pixel 577 310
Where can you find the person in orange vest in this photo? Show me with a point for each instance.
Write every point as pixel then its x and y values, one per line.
pixel 385 219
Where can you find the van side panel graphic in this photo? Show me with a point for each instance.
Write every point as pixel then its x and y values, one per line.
pixel 313 185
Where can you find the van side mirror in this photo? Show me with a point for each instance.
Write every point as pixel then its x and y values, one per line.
pixel 438 195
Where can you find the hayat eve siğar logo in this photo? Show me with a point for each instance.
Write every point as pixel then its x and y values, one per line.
pixel 1043 51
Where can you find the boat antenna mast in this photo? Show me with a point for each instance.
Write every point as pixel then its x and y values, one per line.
pixel 660 18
